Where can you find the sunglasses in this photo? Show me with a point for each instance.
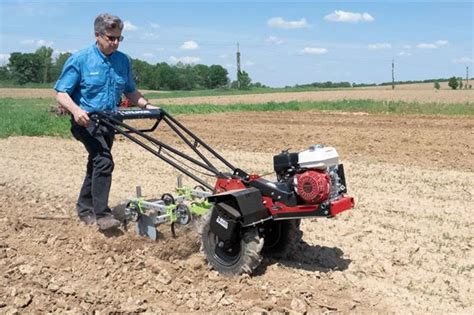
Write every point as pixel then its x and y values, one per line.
pixel 113 38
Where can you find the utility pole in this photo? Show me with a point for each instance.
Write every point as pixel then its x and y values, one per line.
pixel 467 78
pixel 393 74
pixel 238 66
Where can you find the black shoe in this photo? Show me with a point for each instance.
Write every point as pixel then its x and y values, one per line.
pixel 108 222
pixel 88 219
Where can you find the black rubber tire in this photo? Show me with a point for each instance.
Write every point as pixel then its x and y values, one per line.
pixel 246 257
pixel 282 238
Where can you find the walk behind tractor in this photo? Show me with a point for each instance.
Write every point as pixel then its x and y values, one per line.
pixel 243 217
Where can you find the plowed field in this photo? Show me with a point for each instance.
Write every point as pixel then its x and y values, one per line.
pixel 419 93
pixel 407 247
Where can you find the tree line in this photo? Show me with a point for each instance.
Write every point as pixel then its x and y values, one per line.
pixel 37 67
pixel 41 67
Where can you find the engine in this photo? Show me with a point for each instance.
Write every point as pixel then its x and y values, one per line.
pixel 315 174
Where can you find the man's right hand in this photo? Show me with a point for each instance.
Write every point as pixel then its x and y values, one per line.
pixel 81 117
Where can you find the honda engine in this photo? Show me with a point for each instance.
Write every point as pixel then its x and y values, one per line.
pixel 314 174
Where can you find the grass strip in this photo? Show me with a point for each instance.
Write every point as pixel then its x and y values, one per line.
pixel 223 92
pixel 33 117
pixel 368 106
pixel 30 117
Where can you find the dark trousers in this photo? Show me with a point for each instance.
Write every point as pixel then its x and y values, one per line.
pixel 94 194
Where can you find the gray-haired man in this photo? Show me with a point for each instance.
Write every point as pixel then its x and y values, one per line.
pixel 93 80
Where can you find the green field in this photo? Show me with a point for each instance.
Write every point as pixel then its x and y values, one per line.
pixel 33 117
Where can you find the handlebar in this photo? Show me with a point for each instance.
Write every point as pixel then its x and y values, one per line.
pixel 124 114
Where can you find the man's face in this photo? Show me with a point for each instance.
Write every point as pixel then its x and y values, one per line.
pixel 108 41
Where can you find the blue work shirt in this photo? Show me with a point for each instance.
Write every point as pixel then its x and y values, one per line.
pixel 94 81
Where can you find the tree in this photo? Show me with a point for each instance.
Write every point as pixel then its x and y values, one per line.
pixel 167 77
pixel 58 65
pixel 44 54
pixel 460 83
pixel 186 77
pixel 436 85
pixel 453 83
pixel 202 76
pixel 258 85
pixel 217 76
pixel 4 73
pixel 244 79
pixel 25 68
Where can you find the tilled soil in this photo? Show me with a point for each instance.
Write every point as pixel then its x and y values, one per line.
pixel 406 247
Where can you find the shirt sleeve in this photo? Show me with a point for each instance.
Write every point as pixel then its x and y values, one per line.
pixel 70 76
pixel 130 84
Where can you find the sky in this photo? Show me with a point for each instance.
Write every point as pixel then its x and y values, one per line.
pixel 281 43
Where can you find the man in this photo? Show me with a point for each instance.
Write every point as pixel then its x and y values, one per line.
pixel 92 80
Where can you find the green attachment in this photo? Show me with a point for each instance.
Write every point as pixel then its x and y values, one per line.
pixel 184 191
pixel 139 202
pixel 200 208
pixel 171 213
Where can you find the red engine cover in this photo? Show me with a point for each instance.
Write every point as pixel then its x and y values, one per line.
pixel 313 186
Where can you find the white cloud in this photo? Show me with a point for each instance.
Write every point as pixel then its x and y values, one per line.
pixel 274 40
pixel 464 60
pixel 4 58
pixel 314 50
pixel 56 53
pixel 435 45
pixel 186 59
pixel 148 55
pixel 190 45
pixel 249 63
pixel 230 65
pixel 37 42
pixel 404 54
pixel 279 22
pixel 223 56
pixel 42 42
pixel 349 17
pixel 426 46
pixel 407 46
pixel 154 25
pixel 379 46
pixel 128 26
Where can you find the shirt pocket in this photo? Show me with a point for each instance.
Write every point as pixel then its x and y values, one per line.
pixel 95 85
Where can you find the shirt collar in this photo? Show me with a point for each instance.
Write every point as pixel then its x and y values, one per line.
pixel 101 54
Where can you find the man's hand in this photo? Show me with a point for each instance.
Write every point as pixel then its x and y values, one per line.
pixel 81 117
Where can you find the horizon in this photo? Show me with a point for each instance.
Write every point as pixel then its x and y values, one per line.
pixel 281 44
